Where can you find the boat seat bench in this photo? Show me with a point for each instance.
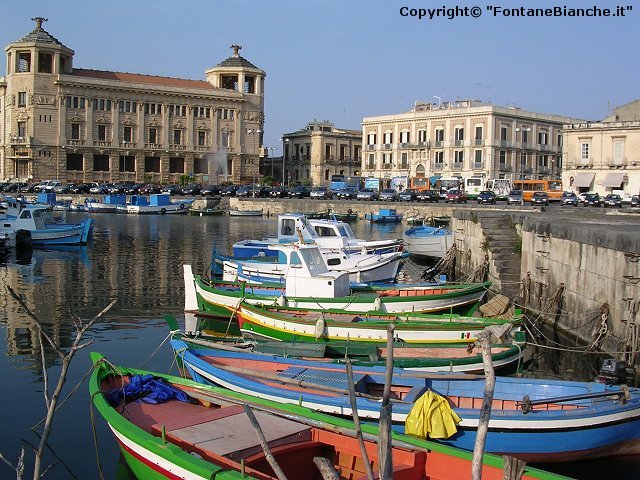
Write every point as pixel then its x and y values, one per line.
pixel 224 431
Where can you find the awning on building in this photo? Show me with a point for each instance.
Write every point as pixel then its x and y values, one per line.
pixel 434 178
pixel 613 179
pixel 583 179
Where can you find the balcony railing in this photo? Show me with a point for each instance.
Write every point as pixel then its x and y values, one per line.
pixel 438 144
pixel 542 169
pixel 21 140
pixel 386 166
pixel 101 143
pixel 503 167
pixel 403 166
pixel 370 165
pixel 456 166
pixel 437 166
pixel 176 146
pixel 404 145
pixel 371 147
pixel 478 165
pixel 75 142
pixel 478 142
pixel 129 144
pixel 387 146
pixel 458 143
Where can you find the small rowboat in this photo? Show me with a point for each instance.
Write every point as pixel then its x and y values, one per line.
pixel 179 429
pixel 201 212
pixel 536 420
pixel 245 213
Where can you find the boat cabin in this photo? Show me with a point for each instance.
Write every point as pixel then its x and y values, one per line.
pixel 294 226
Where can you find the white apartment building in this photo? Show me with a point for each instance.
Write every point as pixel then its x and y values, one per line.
pixel 463 139
pixel 604 156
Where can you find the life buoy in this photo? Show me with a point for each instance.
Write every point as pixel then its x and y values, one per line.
pixel 182 205
pixel 163 211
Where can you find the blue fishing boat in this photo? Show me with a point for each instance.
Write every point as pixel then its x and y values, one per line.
pixel 384 215
pixel 532 419
pixel 45 227
pixel 109 203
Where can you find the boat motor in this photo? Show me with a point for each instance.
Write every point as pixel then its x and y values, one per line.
pixel 430 274
pixel 614 372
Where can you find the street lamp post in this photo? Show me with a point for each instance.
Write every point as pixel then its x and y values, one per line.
pixel 285 141
pixel 273 151
pixel 255 131
pixel 524 130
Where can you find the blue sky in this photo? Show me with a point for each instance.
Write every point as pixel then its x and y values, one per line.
pixel 342 60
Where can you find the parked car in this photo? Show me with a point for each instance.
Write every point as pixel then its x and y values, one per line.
pixel 323 193
pixel 193 189
pixel 50 185
pixel 367 194
pixel 245 191
pixel 582 196
pixel 569 198
pixel 301 191
pixel 26 187
pixel 11 187
pixel 210 190
pixel 388 195
pixel 116 188
pixel 612 200
pixel 61 189
pixel 487 196
pixel 264 191
pixel 456 196
pixel 98 189
pixel 229 191
pixel 133 189
pixel 149 188
pixel 428 196
pixel 592 199
pixel 515 198
pixel 540 198
pixel 408 195
pixel 279 192
pixel 171 190
pixel 347 193
pixel 635 201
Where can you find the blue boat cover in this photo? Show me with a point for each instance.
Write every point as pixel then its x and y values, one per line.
pixel 147 389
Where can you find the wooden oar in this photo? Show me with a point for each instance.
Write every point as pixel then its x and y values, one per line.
pixel 527 403
pixel 297 383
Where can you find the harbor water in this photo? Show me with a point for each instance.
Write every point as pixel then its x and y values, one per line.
pixel 138 262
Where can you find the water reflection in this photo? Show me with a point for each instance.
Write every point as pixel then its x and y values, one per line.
pixel 138 261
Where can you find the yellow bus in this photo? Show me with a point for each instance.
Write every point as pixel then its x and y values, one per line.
pixel 552 187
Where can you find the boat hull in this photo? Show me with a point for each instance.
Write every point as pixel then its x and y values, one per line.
pixel 427 241
pixel 580 430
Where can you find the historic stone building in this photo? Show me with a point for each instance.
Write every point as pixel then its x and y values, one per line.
pixel 463 139
pixel 75 125
pixel 604 156
pixel 320 150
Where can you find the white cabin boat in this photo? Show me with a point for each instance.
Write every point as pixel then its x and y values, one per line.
pixel 45 229
pixel 292 227
pixel 156 204
pixel 361 267
pixel 109 203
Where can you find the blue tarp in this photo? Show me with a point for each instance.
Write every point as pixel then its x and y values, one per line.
pixel 434 178
pixel 147 389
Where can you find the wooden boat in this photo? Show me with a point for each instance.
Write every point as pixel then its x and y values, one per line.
pixel 292 227
pixel 157 203
pixel 109 203
pixel 532 419
pixel 296 324
pixel 210 436
pixel 45 228
pixel 245 213
pixel 416 357
pixel 348 216
pixel 202 212
pixel 361 267
pixel 330 291
pixel 426 241
pixel 384 215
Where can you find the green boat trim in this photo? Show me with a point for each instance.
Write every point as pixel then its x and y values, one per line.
pixel 102 368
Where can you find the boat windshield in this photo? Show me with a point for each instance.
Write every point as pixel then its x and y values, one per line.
pixel 343 230
pixel 313 258
pixel 324 231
